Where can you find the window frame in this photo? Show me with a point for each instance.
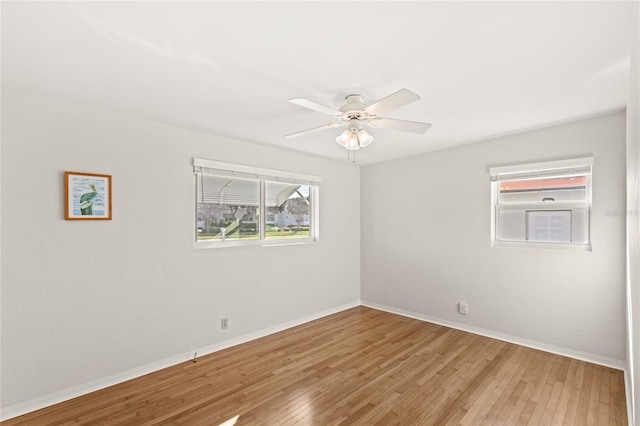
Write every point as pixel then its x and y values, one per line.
pixel 261 175
pixel 541 170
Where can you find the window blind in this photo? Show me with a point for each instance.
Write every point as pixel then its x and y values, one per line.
pixel 217 168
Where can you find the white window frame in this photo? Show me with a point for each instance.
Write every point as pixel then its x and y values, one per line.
pixel 545 169
pixel 218 168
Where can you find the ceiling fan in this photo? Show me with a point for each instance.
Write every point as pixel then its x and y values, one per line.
pixel 355 112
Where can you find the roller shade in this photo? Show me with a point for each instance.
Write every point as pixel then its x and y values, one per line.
pixel 548 170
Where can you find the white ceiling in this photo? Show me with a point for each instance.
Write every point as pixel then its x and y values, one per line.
pixel 483 69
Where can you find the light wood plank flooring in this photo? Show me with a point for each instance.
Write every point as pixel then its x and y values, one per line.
pixel 360 366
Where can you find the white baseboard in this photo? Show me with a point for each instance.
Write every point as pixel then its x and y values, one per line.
pixel 618 364
pixel 53 398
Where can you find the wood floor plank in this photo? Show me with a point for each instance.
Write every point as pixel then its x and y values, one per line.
pixel 506 402
pixel 359 367
pixel 594 398
pixel 616 390
pixel 567 386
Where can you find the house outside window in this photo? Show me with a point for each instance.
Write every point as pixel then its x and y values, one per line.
pixel 232 200
pixel 542 204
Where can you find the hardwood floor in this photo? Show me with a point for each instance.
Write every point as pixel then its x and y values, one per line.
pixel 360 366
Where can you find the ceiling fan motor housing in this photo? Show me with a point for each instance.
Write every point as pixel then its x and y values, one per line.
pixel 354 109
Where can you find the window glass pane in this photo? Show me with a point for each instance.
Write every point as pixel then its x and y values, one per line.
pixel 572 188
pixel 287 210
pixel 580 225
pixel 227 208
pixel 511 225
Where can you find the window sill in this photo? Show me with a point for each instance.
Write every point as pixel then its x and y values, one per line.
pixel 536 245
pixel 205 245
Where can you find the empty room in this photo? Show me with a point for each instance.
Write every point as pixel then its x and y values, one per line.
pixel 320 213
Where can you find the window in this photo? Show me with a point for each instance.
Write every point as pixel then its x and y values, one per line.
pixel 542 204
pixel 232 200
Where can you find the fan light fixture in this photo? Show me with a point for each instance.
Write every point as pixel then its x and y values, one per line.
pixel 355 112
pixel 354 137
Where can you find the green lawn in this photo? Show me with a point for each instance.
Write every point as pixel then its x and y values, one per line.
pixel 269 235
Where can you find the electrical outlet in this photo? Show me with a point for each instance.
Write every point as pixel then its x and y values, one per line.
pixel 463 308
pixel 224 323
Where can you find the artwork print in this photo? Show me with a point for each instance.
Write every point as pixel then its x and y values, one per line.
pixel 87 196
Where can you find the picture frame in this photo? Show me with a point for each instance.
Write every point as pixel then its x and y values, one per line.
pixel 87 196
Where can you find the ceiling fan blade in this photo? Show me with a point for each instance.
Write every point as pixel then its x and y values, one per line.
pixel 315 129
pixel 306 103
pixel 395 100
pixel 407 126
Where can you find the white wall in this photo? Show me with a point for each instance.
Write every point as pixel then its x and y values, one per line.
pixel 84 300
pixel 633 219
pixel 426 243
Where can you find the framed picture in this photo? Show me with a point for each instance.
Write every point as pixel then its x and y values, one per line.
pixel 87 196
